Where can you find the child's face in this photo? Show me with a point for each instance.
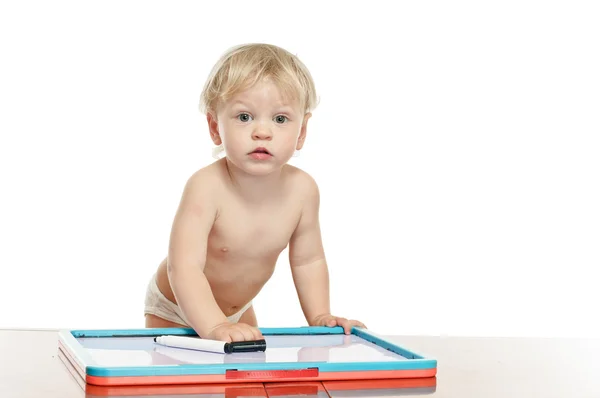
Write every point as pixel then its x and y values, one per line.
pixel 259 129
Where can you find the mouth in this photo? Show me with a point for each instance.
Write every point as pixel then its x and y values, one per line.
pixel 261 151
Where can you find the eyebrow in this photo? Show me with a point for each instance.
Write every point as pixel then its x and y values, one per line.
pixel 238 102
pixel 280 106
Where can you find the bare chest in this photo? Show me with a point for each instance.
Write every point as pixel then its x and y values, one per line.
pixel 253 234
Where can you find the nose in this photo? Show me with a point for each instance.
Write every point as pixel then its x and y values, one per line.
pixel 261 132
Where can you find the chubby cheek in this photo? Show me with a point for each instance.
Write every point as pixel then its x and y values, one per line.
pixel 232 139
pixel 234 147
pixel 291 143
pixel 288 149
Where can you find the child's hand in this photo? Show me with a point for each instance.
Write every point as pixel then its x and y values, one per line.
pixel 231 332
pixel 331 321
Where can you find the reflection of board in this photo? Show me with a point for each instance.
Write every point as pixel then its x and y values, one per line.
pixel 380 388
pixel 131 357
pixel 353 388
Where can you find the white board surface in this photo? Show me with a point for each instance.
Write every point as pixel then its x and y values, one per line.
pixel 143 351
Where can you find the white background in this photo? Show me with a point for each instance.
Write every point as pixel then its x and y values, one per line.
pixel 456 146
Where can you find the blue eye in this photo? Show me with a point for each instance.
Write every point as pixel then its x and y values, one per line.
pixel 244 117
pixel 280 119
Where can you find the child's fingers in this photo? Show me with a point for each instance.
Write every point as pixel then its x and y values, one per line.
pixel 358 324
pixel 246 332
pixel 237 332
pixel 349 324
pixel 343 322
pixel 224 335
pixel 257 334
pixel 236 335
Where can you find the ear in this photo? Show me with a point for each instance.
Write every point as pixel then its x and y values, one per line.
pixel 213 128
pixel 302 135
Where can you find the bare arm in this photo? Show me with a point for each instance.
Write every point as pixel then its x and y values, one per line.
pixel 309 267
pixel 307 259
pixel 187 257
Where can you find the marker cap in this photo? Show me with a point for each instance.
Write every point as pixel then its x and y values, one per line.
pixel 245 346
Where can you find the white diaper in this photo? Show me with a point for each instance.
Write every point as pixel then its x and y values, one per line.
pixel 157 304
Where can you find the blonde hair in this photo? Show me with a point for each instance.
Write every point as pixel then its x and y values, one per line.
pixel 244 65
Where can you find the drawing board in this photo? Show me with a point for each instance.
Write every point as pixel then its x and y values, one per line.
pixel 131 357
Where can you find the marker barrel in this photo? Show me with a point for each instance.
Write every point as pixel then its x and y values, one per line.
pixel 192 343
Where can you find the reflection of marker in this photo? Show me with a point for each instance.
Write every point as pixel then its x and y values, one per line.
pixel 220 347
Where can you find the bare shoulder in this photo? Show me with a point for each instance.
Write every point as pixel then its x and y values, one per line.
pixel 302 183
pixel 207 174
pixel 202 187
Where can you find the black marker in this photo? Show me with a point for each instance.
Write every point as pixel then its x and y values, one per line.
pixel 220 347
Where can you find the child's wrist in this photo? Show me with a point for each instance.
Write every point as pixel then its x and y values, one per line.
pixel 214 326
pixel 317 319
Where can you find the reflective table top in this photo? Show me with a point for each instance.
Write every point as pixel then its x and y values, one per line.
pixel 30 366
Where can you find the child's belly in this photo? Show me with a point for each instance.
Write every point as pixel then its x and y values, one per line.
pixel 235 284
